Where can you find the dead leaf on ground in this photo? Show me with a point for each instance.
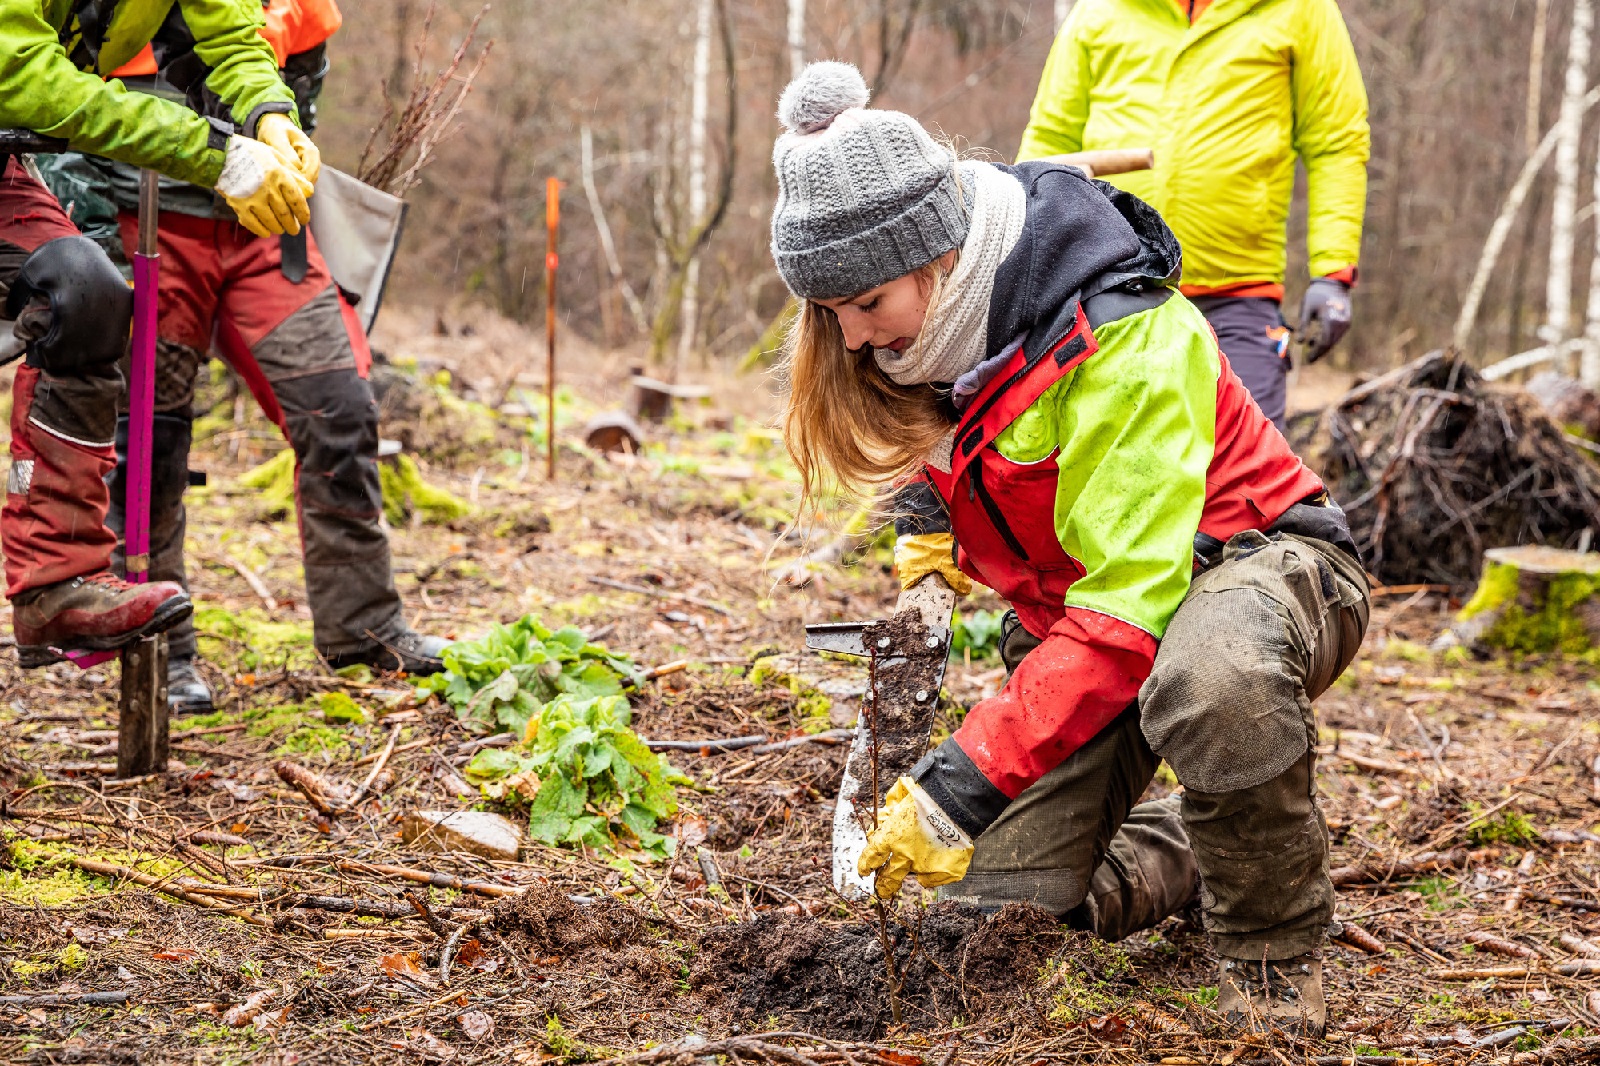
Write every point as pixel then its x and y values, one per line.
pixel 477 1025
pixel 472 956
pixel 176 954
pixel 430 1046
pixel 402 964
pixel 692 831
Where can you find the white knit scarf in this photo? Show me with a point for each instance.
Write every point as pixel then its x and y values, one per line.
pixel 955 333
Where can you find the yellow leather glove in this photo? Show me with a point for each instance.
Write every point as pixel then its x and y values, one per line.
pixel 291 141
pixel 264 189
pixel 917 556
pixel 914 836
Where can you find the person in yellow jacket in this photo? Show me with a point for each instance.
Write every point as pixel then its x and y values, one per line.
pixel 1228 93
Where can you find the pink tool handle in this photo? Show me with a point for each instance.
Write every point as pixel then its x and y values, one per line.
pixel 141 417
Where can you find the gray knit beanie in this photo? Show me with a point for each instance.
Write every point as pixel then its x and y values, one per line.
pixel 864 197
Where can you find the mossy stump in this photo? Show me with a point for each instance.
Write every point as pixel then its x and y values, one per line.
pixel 1534 600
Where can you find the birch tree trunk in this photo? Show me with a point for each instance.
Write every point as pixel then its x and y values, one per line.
pixel 689 315
pixel 1563 213
pixel 1589 360
pixel 797 36
pixel 1501 229
pixel 607 245
pixel 1535 119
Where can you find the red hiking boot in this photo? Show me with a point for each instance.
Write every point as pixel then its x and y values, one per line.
pixel 96 613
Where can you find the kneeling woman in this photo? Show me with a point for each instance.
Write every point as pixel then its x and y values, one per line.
pixel 1007 344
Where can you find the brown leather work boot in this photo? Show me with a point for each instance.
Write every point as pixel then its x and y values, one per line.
pixel 100 612
pixel 1282 994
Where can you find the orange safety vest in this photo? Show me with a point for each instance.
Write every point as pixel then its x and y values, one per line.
pixel 292 27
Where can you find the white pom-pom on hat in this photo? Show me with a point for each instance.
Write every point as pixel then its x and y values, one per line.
pixel 820 93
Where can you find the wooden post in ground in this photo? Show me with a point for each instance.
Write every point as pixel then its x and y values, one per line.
pixel 142 710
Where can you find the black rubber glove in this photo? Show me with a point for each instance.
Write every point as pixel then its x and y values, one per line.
pixel 1324 317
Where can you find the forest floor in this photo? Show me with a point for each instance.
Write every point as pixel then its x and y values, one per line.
pixel 1462 797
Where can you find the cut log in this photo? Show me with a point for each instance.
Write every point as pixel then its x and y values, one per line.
pixel 613 431
pixel 1533 600
pixel 652 400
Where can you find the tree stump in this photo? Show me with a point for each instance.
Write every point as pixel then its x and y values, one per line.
pixel 1534 600
pixel 613 431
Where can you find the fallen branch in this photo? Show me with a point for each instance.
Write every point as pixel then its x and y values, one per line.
pixel 447 957
pixel 67 999
pixel 707 747
pixel 251 578
pixel 412 746
pixel 107 869
pixel 829 737
pixel 377 768
pixel 1427 862
pixel 1570 968
pixel 660 594
pixel 423 877
pixel 318 792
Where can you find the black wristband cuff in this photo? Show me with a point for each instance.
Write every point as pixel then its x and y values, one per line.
pixel 271 107
pixel 217 137
pixel 953 781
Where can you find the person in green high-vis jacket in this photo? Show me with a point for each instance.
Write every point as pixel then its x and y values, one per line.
pixel 68 306
pixel 1228 93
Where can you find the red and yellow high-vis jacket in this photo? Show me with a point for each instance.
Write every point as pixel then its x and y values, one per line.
pixel 1080 475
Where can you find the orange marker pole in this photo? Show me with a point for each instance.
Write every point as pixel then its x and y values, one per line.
pixel 552 221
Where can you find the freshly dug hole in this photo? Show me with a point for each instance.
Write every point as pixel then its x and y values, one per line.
pixel 951 960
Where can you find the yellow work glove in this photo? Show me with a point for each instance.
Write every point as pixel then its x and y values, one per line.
pixel 917 556
pixel 264 189
pixel 914 836
pixel 291 141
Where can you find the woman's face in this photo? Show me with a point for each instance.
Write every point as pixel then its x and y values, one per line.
pixel 889 316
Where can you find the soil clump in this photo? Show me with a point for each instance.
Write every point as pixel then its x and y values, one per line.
pixel 951 960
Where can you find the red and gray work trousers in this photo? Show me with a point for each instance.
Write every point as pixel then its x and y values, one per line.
pixel 53 524
pixel 302 353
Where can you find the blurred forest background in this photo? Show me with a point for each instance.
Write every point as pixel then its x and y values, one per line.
pixel 1460 94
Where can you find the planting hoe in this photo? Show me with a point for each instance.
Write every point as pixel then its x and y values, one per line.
pixel 142 719
pixel 907 654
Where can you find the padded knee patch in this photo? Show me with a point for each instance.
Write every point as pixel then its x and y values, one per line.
pixel 332 422
pixel 1223 705
pixel 91 307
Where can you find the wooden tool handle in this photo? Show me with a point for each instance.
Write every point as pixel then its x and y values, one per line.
pixel 1105 161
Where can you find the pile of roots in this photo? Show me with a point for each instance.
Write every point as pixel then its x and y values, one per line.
pixel 1433 465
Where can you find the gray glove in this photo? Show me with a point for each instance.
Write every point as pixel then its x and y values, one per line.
pixel 1324 317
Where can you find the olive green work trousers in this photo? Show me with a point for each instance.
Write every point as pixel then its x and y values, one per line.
pixel 1228 707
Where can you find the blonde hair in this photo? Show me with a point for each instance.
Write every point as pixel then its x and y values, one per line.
pixel 844 416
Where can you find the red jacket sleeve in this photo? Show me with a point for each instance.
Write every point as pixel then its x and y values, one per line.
pixel 1087 671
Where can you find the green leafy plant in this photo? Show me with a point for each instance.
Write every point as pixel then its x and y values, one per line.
pixel 498 683
pixel 585 776
pixel 978 631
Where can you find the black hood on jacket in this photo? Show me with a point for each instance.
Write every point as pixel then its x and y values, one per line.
pixel 1079 238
